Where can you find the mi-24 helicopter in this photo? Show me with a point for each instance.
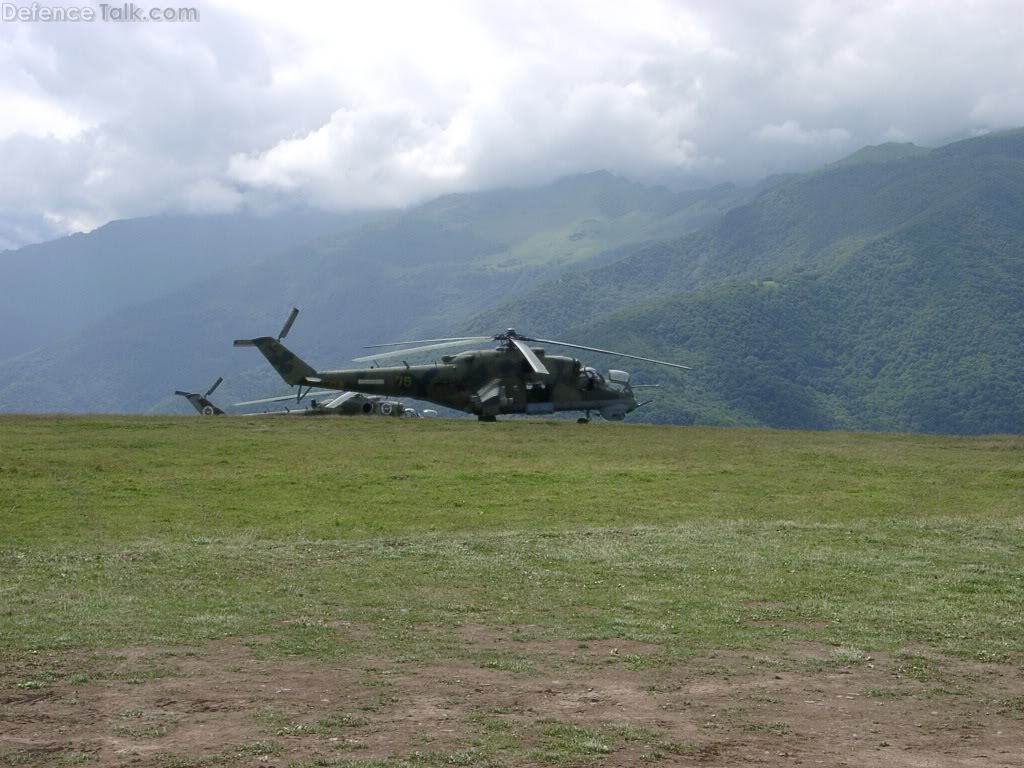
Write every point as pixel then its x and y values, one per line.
pixel 512 378
pixel 201 402
pixel 323 403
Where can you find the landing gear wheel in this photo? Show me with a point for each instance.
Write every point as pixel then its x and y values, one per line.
pixel 487 418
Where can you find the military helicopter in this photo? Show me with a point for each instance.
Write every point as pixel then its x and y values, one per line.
pixel 512 378
pixel 328 403
pixel 343 404
pixel 202 402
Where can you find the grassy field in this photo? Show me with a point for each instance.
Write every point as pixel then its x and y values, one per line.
pixel 120 532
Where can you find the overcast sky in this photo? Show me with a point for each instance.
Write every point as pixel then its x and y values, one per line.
pixel 377 103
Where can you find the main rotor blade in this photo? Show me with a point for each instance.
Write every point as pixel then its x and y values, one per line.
pixel 531 356
pixel 215 385
pixel 282 398
pixel 429 341
pixel 427 348
pixel 335 402
pixel 288 323
pixel 613 352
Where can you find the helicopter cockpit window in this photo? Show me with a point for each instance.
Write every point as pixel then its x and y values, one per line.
pixel 618 380
pixel 590 378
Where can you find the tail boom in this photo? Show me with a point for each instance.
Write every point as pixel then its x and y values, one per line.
pixel 289 366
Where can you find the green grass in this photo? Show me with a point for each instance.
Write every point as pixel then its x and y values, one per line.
pixel 548 741
pixel 163 531
pixel 85 482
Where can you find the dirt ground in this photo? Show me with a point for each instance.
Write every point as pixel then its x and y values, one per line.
pixel 515 703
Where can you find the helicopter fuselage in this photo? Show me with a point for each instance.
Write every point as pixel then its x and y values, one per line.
pixel 491 382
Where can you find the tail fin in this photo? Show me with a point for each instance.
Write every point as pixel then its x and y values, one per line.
pixel 201 402
pixel 292 368
pixel 203 406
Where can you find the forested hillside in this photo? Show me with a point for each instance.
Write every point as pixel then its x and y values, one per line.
pixel 880 293
pixel 140 308
pixel 883 291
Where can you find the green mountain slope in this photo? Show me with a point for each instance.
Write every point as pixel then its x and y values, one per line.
pixel 887 295
pixel 885 291
pixel 811 219
pixel 881 153
pixel 406 273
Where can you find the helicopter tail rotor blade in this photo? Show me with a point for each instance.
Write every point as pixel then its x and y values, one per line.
pixel 613 352
pixel 183 394
pixel 531 356
pixel 215 385
pixel 288 323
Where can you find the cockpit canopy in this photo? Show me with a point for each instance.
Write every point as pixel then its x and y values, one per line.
pixel 589 378
pixel 618 380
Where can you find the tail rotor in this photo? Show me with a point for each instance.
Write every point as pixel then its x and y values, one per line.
pixel 288 323
pixel 211 389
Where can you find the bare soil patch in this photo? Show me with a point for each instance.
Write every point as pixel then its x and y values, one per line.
pixel 514 699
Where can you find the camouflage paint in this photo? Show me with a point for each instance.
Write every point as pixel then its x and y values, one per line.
pixel 485 382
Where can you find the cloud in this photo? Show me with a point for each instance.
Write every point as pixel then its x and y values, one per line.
pixel 26 114
pixel 791 132
pixel 212 196
pixel 381 104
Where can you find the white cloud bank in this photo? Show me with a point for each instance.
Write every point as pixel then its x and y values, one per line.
pixel 381 104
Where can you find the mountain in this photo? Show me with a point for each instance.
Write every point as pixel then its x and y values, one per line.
pixel 419 271
pixel 884 291
pixel 881 153
pixel 867 295
pixel 55 289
